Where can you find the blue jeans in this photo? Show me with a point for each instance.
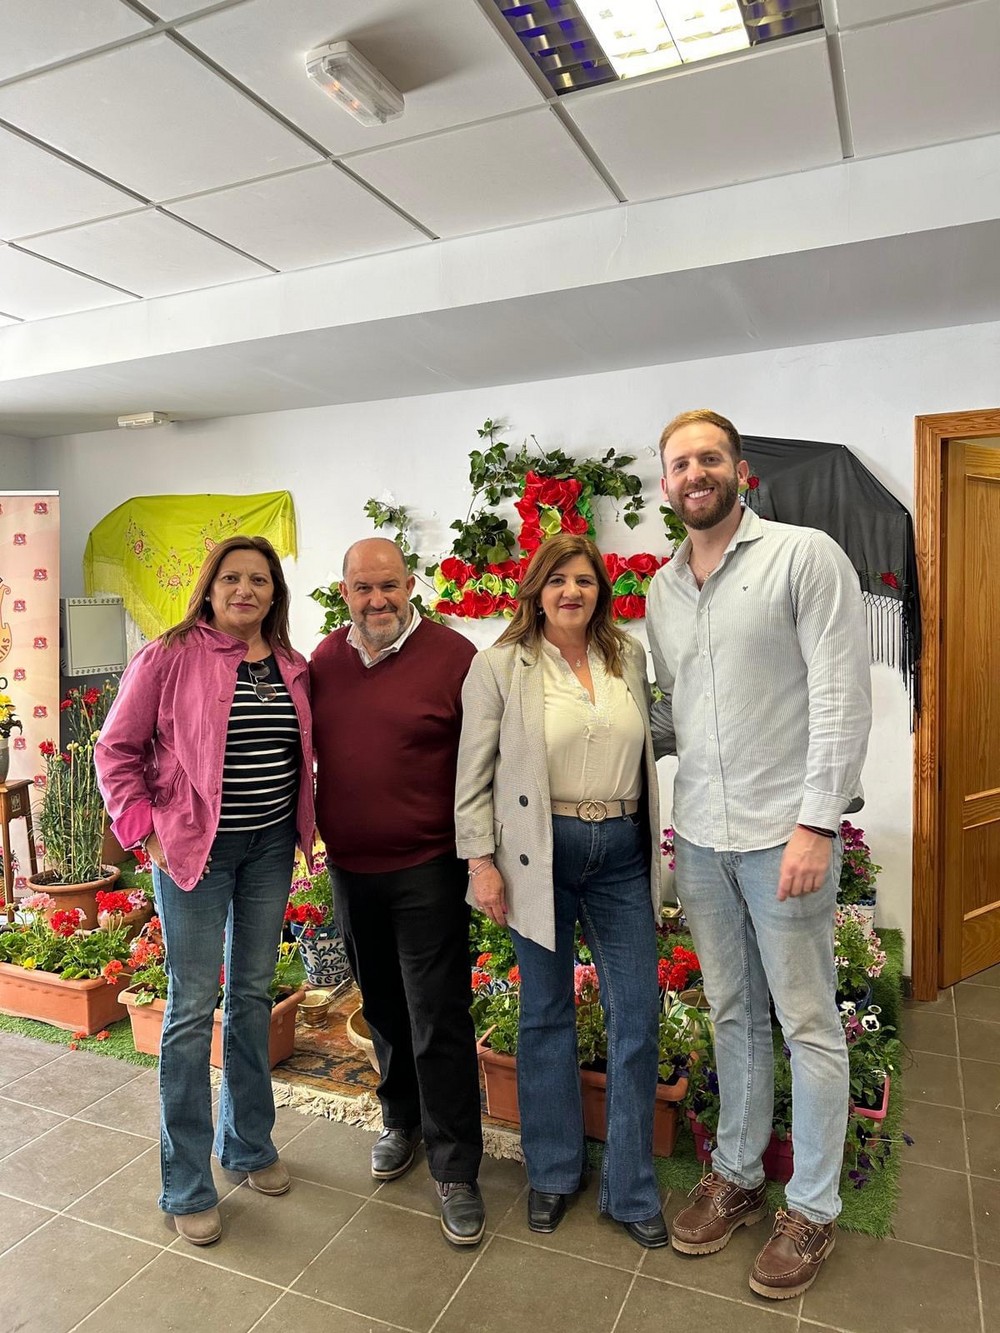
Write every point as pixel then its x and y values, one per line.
pixel 749 943
pixel 601 875
pixel 243 898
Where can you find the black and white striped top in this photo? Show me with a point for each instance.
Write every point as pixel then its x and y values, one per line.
pixel 260 775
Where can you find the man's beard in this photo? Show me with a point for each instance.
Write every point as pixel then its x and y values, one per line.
pixel 726 496
pixel 383 635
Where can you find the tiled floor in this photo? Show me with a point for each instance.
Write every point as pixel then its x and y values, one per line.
pixel 83 1247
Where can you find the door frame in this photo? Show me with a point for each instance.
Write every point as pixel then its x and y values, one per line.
pixel 932 436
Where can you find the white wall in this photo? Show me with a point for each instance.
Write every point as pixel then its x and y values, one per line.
pixel 863 394
pixel 16 464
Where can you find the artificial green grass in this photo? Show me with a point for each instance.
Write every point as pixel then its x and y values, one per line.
pixel 118 1043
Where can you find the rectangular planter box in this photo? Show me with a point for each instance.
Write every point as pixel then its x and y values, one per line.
pixel 500 1078
pixel 778 1159
pixel 147 1025
pixel 77 1006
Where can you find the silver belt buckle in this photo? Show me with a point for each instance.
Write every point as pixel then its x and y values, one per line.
pixel 592 812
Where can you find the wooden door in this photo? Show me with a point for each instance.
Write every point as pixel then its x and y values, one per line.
pixel 970 738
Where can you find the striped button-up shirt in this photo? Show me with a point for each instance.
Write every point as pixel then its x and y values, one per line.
pixel 766 675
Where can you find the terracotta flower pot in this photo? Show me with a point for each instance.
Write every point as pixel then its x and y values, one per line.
pixel 70 896
pixel 78 1006
pixel 500 1077
pixel 147 1027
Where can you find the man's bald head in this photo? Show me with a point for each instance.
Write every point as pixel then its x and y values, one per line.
pixel 376 587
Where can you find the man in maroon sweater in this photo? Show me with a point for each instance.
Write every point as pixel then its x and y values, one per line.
pixel 387 713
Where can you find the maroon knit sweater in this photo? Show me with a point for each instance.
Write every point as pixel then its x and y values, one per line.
pixel 386 740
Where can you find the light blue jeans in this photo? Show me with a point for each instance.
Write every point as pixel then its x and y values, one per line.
pixel 601 874
pixel 244 898
pixel 749 943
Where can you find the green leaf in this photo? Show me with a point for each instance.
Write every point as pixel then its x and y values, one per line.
pixel 632 520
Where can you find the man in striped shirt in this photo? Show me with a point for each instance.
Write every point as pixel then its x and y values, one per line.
pixel 759 643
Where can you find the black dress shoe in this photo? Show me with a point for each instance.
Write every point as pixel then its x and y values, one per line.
pixel 651 1233
pixel 463 1214
pixel 545 1211
pixel 392 1155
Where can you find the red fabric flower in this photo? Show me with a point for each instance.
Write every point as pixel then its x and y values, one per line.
pixel 889 579
pixel 615 565
pixel 575 522
pixel 753 482
pixel 444 607
pixel 457 570
pixel 485 605
pixel 560 492
pixel 630 607
pixel 643 564
pixel 506 569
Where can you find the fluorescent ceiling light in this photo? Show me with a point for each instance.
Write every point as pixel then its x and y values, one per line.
pixel 640 36
pixel 354 83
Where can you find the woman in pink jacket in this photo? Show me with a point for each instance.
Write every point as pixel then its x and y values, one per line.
pixel 206 762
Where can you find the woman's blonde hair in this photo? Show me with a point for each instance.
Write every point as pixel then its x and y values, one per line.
pixel 274 630
pixel 526 626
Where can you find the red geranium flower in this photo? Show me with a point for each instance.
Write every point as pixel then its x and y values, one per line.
pixel 514 975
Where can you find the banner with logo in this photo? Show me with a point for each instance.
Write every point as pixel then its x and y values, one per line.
pixel 29 638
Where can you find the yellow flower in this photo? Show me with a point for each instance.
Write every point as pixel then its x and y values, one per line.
pixel 6 701
pixel 28 963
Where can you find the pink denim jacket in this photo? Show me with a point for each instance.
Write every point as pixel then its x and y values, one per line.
pixel 160 753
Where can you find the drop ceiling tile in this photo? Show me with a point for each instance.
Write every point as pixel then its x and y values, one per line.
pixel 32 289
pixel 309 217
pixel 49 192
pixel 932 78
pixel 851 13
pixel 38 32
pixel 7 319
pixel 147 253
pixel 446 58
pixel 521 169
pixel 762 114
pixel 154 118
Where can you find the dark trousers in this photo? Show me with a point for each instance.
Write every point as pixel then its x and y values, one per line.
pixel 407 938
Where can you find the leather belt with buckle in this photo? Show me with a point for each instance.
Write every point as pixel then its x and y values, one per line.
pixel 595 812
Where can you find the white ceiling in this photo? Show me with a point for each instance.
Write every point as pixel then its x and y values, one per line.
pixel 153 149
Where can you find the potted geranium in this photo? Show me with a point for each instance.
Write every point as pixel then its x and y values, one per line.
pixel 8 721
pixel 71 818
pixel 858 873
pixel 147 994
pixel 309 917
pixel 53 970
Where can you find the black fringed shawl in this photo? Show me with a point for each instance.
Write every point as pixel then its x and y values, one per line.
pixel 824 486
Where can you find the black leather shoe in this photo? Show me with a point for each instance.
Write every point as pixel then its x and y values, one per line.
pixel 463 1215
pixel 545 1211
pixel 651 1233
pixel 392 1155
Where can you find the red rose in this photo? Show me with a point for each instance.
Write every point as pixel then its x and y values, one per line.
pixel 467 606
pixel 630 607
pixel 457 571
pixel 506 569
pixel 444 607
pixel 643 564
pixel 573 521
pixel 530 538
pixel 753 482
pixel 486 605
pixel 889 579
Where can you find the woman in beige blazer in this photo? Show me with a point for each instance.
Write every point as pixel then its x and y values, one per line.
pixel 556 798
